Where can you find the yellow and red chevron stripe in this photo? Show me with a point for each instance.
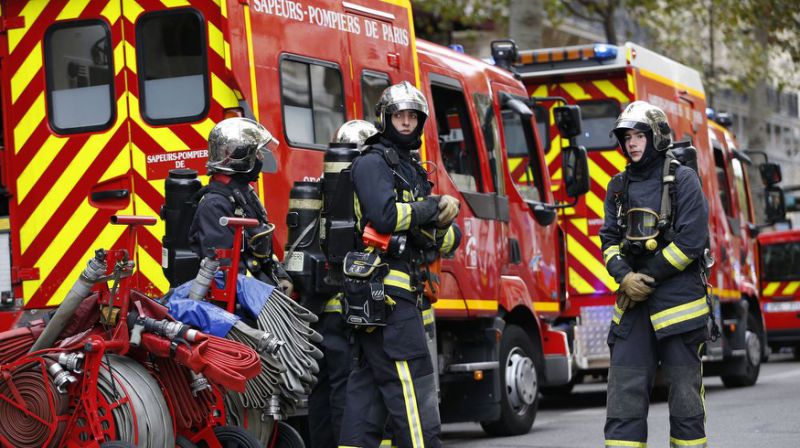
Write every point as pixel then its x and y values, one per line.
pixel 586 271
pixel 55 228
pixel 780 289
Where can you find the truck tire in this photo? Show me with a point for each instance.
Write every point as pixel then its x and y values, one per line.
pixel 288 437
pixel 520 366
pixel 753 351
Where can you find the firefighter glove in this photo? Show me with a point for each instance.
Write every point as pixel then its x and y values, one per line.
pixel 624 302
pixel 424 212
pixel 448 210
pixel 636 286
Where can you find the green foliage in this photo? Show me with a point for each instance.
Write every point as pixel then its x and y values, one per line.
pixel 435 19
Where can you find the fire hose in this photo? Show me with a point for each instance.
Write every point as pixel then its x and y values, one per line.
pixel 95 269
pixel 16 342
pixel 25 408
pixel 189 410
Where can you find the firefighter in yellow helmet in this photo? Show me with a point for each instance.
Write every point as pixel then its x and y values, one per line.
pixel 653 240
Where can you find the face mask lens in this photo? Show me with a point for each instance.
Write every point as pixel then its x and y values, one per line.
pixel 642 224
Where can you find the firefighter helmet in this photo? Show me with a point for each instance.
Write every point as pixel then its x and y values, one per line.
pixel 402 96
pixel 355 131
pixel 644 117
pixel 235 144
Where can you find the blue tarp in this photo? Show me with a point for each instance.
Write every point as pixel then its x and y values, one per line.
pixel 251 294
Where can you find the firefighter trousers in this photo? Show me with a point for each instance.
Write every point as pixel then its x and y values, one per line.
pixel 634 360
pixel 394 379
pixel 326 402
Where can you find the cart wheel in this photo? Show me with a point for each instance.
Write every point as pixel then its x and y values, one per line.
pixel 233 437
pixel 183 442
pixel 288 437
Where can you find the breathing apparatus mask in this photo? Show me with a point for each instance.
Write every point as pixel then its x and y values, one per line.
pixel 641 231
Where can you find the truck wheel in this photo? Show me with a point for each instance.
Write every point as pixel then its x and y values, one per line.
pixel 753 350
pixel 519 397
pixel 288 437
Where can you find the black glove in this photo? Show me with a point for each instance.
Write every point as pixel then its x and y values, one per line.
pixel 424 212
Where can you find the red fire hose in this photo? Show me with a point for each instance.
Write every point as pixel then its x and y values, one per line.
pixel 227 363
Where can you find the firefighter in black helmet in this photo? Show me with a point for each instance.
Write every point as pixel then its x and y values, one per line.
pixel 327 399
pixel 395 374
pixel 653 240
pixel 239 149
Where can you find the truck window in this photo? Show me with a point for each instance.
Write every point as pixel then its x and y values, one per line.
pixel 542 115
pixel 80 74
pixel 741 188
pixel 456 140
pixel 491 137
pixel 518 135
pixel 598 118
pixel 313 101
pixel 172 67
pixel 722 180
pixel 781 262
pixel 372 85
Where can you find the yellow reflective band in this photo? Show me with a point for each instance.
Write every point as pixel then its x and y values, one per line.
pixel 546 306
pixel 386 443
pixel 615 443
pixel 410 397
pixel 617 314
pixel 407 197
pixel 398 279
pixel 771 288
pixel 357 210
pixel 791 288
pixel 676 257
pixel 696 443
pixel 403 216
pixel 680 313
pixel 348 446
pixel 449 240
pixel 333 305
pixel 610 252
pixel 427 316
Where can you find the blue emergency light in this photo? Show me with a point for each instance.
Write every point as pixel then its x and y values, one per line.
pixel 604 52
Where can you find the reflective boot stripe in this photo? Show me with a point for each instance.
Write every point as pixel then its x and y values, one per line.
pixel 410 398
pixel 386 443
pixel 625 443
pixel 696 443
pixel 680 313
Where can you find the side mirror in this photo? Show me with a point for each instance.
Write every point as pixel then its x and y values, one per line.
pixel 770 173
pixel 543 214
pixel 568 120
pixel 517 106
pixel 776 204
pixel 575 170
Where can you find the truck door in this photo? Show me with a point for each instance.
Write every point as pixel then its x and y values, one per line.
pixel 175 68
pixel 470 280
pixel 65 129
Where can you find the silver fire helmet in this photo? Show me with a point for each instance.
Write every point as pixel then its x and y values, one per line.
pixel 643 116
pixel 402 96
pixel 235 143
pixel 355 131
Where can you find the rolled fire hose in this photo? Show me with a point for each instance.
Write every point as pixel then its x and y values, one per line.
pixel 16 342
pixel 190 410
pixel 95 269
pixel 35 389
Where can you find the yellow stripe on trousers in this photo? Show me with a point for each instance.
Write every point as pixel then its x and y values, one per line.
pixel 410 397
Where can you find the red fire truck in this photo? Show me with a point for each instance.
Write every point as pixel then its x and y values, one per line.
pixel 779 279
pixel 117 92
pixel 602 79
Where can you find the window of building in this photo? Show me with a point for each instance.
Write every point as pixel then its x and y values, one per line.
pixel 80 76
pixel 456 138
pixel 372 85
pixel 172 66
pixel 597 121
pixel 313 101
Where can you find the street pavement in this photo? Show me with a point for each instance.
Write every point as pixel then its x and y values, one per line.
pixel 766 415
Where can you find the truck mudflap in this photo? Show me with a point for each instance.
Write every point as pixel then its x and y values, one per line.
pixel 591 336
pixel 557 362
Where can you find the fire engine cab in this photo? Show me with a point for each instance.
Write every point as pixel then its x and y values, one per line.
pixel 602 80
pixel 779 279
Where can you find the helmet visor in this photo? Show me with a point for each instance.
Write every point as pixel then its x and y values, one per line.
pixel 264 152
pixel 642 224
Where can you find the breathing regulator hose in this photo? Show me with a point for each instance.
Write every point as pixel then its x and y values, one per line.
pixel 94 271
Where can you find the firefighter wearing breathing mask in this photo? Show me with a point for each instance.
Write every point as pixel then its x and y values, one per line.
pixel 239 149
pixel 394 376
pixel 653 240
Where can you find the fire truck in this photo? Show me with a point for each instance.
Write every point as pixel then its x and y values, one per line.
pixel 495 350
pixel 101 98
pixel 602 80
pixel 779 279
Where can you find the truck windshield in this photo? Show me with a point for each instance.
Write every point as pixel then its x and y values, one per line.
pixel 781 262
pixel 598 118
